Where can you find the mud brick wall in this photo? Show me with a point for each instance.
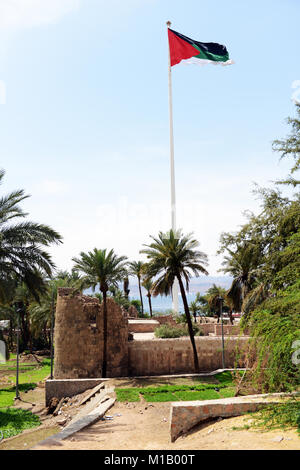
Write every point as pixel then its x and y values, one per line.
pixel 117 340
pixel 207 328
pixel 166 320
pixel 175 356
pixel 142 326
pixel 78 337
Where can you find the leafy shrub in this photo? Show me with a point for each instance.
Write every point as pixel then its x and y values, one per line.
pixel 279 416
pixel 168 331
pixel 275 326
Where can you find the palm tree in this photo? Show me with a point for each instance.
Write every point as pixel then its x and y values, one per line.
pixel 106 269
pixel 136 269
pixel 41 312
pixel 173 256
pixel 213 298
pixel 22 255
pixel 243 264
pixel 148 285
pixel 194 308
pixel 126 287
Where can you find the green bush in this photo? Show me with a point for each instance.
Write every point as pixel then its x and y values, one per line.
pixel 279 416
pixel 274 327
pixel 168 331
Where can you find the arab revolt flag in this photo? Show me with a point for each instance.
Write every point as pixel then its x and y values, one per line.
pixel 184 49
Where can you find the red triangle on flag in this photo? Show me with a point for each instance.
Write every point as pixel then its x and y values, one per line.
pixel 180 49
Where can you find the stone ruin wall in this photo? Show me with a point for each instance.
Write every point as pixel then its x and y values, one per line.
pixel 175 356
pixel 117 340
pixel 79 344
pixel 78 337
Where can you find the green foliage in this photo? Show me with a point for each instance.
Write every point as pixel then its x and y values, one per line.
pixel 13 421
pixel 167 331
pixel 280 416
pixel 7 395
pixel 290 147
pixel 22 257
pixel 34 375
pixel 137 304
pixel 166 393
pixel 127 394
pixel 101 267
pixel 275 326
pixel 264 255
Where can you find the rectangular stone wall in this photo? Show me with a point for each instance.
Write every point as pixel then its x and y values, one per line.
pixel 175 356
pixel 207 328
pixel 142 326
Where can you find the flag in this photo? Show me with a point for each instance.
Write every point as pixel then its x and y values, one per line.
pixel 189 51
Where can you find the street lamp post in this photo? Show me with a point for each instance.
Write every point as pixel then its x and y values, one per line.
pixel 221 300
pixel 17 310
pixel 52 334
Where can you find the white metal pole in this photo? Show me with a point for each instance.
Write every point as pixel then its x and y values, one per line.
pixel 173 191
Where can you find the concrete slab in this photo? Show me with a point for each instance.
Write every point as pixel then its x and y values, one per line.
pixel 62 388
pixel 143 336
pixel 80 424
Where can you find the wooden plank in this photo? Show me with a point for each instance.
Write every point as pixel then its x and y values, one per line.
pixel 92 393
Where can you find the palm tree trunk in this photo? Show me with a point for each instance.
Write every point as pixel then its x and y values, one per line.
pixel 189 322
pixel 150 304
pixel 141 295
pixel 104 360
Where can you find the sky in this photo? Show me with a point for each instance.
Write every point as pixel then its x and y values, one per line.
pixel 84 124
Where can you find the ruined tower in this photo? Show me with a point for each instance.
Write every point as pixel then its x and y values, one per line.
pixel 78 337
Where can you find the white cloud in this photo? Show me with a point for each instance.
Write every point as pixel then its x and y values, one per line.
pixel 20 14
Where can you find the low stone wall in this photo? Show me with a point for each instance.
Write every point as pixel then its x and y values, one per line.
pixel 186 415
pixel 175 356
pixel 207 328
pixel 166 320
pixel 142 326
pixel 216 329
pixel 68 387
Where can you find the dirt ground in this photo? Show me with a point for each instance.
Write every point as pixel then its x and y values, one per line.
pixel 143 426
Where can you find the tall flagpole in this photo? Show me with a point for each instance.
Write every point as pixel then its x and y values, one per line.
pixel 173 191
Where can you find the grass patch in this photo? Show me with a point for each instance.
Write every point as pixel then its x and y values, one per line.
pixel 28 380
pixel 7 395
pixel 223 388
pixel 197 395
pixel 127 394
pixel 13 421
pixel 158 397
pixel 39 373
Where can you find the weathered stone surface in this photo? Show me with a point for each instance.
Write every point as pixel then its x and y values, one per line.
pixel 166 320
pixel 185 415
pixel 142 326
pixel 132 312
pixel 117 340
pixel 79 337
pixel 175 356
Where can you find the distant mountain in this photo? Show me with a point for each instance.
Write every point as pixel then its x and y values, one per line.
pixel 201 284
